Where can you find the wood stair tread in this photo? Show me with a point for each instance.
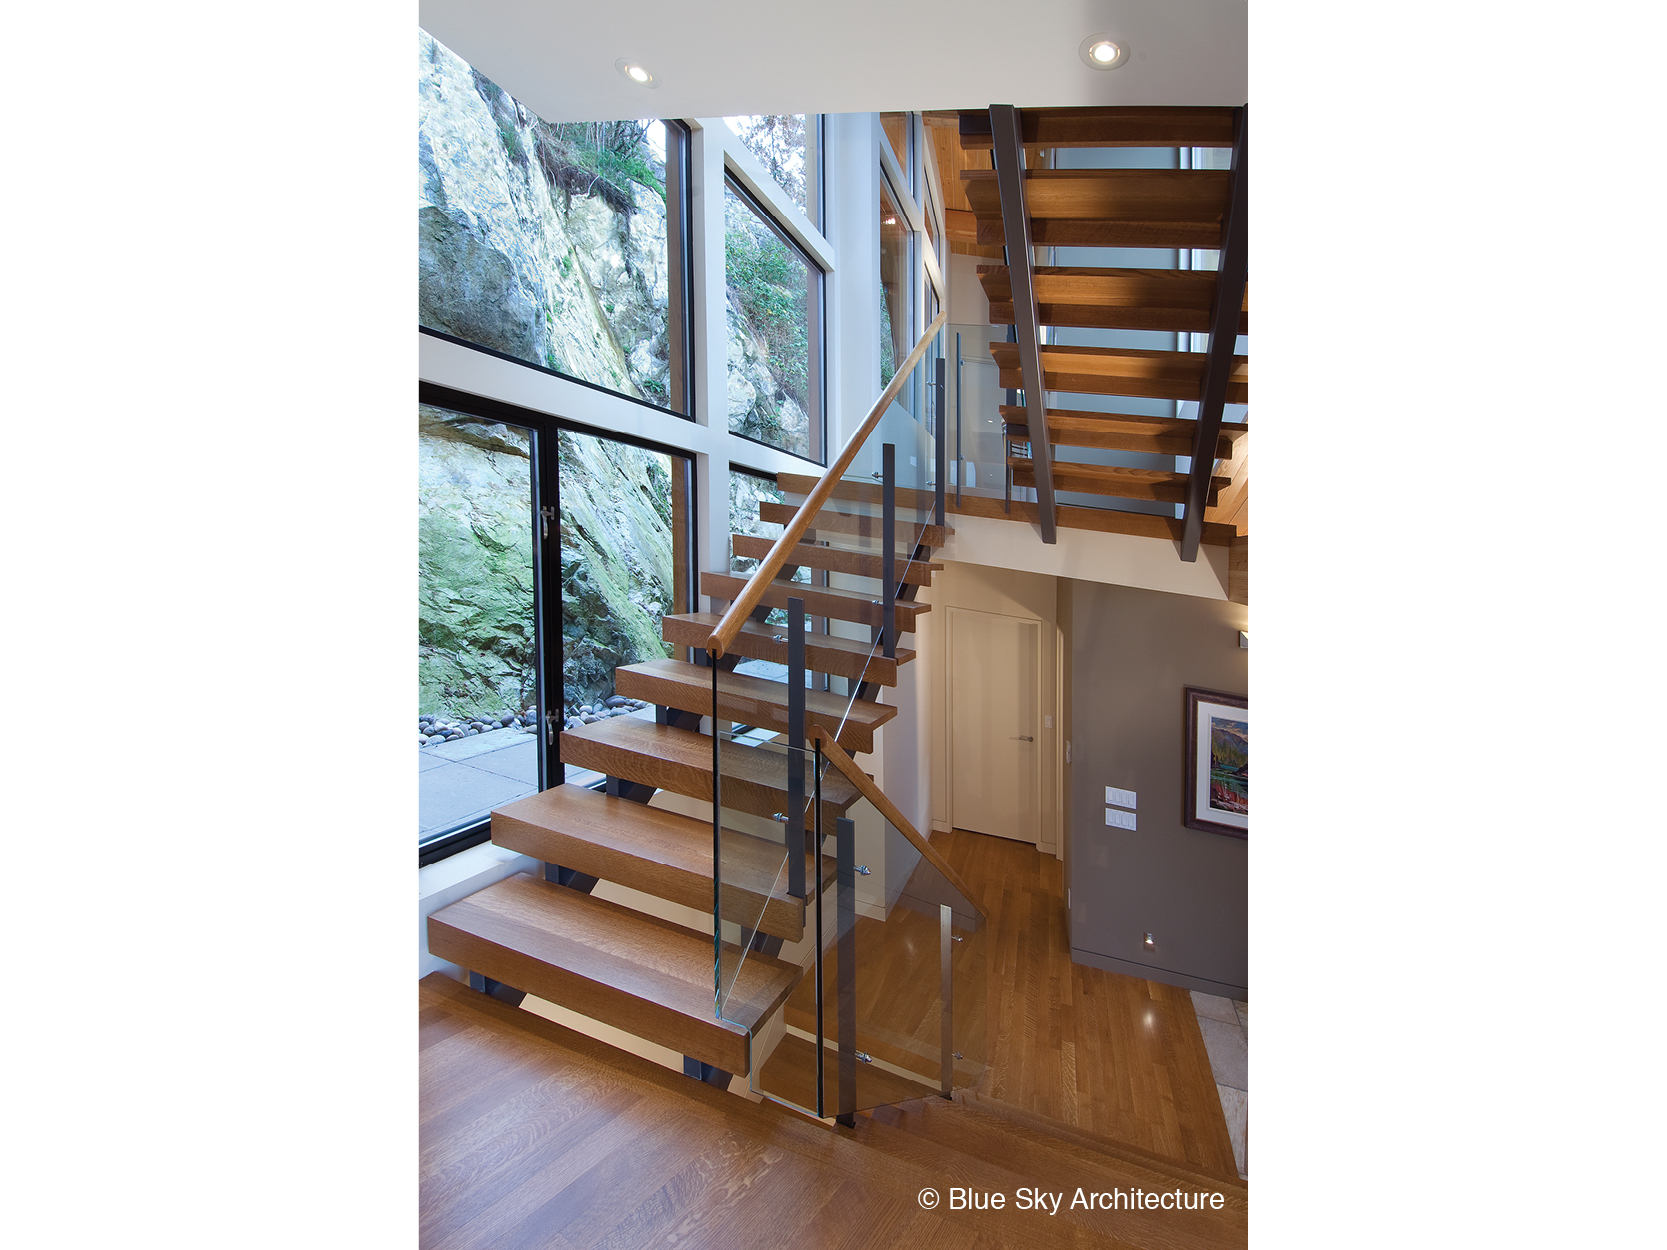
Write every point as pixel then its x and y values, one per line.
pixel 1108 207
pixel 1132 299
pixel 1126 126
pixel 658 852
pixel 861 606
pixel 860 490
pixel 680 760
pixel 1102 479
pixel 863 525
pixel 644 975
pixel 1098 519
pixel 851 658
pixel 836 559
pixel 1115 431
pixel 750 700
pixel 1120 371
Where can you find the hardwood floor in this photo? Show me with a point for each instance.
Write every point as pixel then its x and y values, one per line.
pixel 1110 1055
pixel 532 1135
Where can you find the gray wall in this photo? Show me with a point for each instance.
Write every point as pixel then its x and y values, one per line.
pixel 1132 654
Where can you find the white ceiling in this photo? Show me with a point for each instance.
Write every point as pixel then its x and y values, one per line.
pixel 842 56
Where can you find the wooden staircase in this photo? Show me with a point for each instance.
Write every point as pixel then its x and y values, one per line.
pixel 640 972
pixel 1144 208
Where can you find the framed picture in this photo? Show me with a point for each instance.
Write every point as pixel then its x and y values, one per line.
pixel 1218 762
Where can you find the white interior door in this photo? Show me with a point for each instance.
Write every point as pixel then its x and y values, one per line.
pixel 995 760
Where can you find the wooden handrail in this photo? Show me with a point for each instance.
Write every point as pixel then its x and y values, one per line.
pixel 753 591
pixel 865 784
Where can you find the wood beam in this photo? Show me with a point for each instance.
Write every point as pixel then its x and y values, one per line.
pixel 1224 326
pixel 1015 220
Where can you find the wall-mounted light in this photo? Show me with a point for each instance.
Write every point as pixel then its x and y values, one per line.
pixel 1101 51
pixel 636 72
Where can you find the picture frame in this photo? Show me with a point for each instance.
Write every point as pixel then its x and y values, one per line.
pixel 1217 762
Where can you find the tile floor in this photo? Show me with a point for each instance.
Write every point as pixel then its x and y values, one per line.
pixel 1225 1024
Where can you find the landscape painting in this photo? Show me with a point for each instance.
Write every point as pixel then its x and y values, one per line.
pixel 1217 762
pixel 1229 771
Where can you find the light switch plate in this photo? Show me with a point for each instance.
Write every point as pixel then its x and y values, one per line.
pixel 1047 722
pixel 1119 820
pixel 1120 798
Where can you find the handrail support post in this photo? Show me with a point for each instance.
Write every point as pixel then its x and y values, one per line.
pixel 794 832
pixel 888 496
pixel 1007 149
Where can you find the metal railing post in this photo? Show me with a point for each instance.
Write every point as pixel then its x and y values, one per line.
pixel 717 855
pixel 888 623
pixel 845 934
pixel 946 1024
pixel 794 833
pixel 816 861
pixel 943 442
pixel 960 459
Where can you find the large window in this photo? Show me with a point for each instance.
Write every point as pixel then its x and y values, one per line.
pixel 557 244
pixel 896 287
pixel 787 145
pixel 773 302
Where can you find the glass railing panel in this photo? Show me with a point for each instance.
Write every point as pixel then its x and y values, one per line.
pixel 785 1050
pixel 977 452
pixel 904 983
pixel 760 895
pixel 915 946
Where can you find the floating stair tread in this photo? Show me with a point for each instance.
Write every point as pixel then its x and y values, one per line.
pixel 862 606
pixel 835 559
pixel 1164 436
pixel 680 760
pixel 1135 299
pixel 1104 520
pixel 1108 207
pixel 1121 371
pixel 658 852
pixel 919 503
pixel 750 700
pixel 1101 479
pixel 863 525
pixel 1130 126
pixel 824 653
pixel 641 974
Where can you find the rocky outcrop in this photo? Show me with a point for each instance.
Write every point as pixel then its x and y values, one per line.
pixel 475 566
pixel 475 547
pixel 523 249
pixel 616 559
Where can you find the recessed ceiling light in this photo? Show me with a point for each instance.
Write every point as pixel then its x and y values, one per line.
pixel 636 73
pixel 1101 51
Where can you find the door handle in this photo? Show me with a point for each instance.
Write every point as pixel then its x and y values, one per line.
pixel 1024 738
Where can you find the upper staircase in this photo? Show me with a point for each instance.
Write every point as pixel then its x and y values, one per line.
pixel 1028 206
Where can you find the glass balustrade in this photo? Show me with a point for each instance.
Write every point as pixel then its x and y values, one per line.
pixel 890 1001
